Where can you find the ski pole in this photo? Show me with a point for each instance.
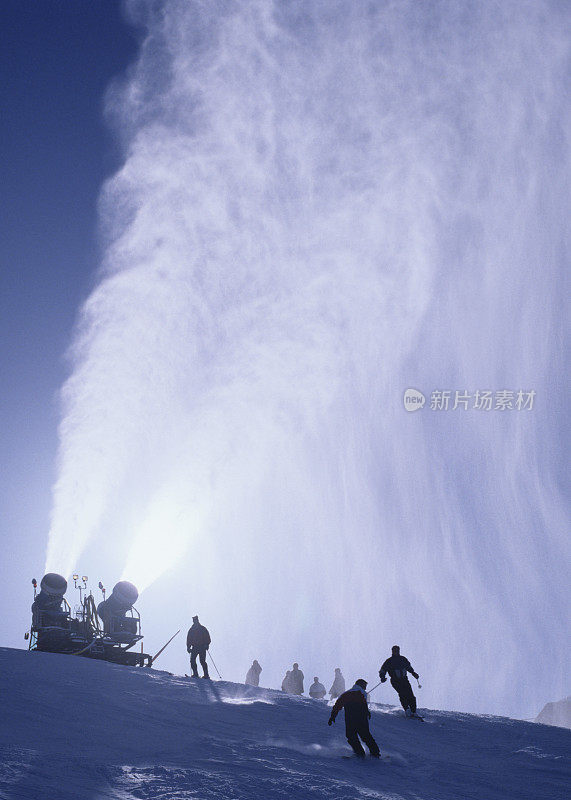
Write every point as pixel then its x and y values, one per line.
pixel 154 658
pixel 214 665
pixel 419 686
pixel 374 687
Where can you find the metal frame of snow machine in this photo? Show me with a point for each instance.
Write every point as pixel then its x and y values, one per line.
pixel 56 630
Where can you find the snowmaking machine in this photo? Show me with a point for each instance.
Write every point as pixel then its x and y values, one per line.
pixel 107 631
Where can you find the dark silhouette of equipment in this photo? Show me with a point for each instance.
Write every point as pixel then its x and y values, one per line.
pixel 164 647
pixel 107 632
pixel 113 612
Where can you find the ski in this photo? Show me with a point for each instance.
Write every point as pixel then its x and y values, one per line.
pixel 366 758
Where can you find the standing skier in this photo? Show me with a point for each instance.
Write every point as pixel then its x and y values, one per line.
pixel 397 666
pixel 357 716
pixel 296 680
pixel 197 643
pixel 338 685
pixel 286 683
pixel 253 674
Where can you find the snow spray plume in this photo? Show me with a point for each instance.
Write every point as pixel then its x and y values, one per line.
pixel 322 204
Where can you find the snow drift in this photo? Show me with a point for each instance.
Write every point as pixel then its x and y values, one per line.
pixel 558 713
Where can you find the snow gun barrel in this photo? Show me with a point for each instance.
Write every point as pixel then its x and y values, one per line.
pixel 50 597
pixel 120 601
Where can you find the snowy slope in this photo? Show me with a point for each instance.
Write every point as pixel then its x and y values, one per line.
pixel 74 728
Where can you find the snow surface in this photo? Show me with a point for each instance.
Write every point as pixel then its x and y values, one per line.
pixel 78 728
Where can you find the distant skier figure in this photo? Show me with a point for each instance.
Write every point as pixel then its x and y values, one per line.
pixel 317 690
pixel 357 716
pixel 197 643
pixel 253 674
pixel 338 686
pixel 397 666
pixel 296 680
pixel 286 683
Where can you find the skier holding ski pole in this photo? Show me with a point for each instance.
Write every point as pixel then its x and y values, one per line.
pixel 197 644
pixel 357 716
pixel 397 666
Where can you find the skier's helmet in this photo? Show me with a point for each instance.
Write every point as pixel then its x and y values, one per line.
pixel 361 682
pixel 395 649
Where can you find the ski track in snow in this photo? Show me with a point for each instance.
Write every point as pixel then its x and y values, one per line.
pixel 75 728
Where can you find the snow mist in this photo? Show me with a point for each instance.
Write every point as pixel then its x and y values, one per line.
pixel 323 204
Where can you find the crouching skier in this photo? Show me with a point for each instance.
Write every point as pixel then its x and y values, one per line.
pixel 357 716
pixel 397 666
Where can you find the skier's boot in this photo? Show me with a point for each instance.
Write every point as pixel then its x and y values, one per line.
pixel 407 712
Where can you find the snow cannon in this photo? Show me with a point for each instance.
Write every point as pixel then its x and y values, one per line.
pixel 50 614
pixel 114 610
pixel 52 589
pixel 122 598
pixel 55 630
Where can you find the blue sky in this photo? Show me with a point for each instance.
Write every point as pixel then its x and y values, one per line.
pixel 57 58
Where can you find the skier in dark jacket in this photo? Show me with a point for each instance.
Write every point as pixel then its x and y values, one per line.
pixel 197 643
pixel 397 666
pixel 357 716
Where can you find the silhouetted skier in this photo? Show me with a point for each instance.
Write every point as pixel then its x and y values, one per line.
pixel 357 716
pixel 338 686
pixel 397 666
pixel 286 683
pixel 253 674
pixel 296 680
pixel 197 643
pixel 317 690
